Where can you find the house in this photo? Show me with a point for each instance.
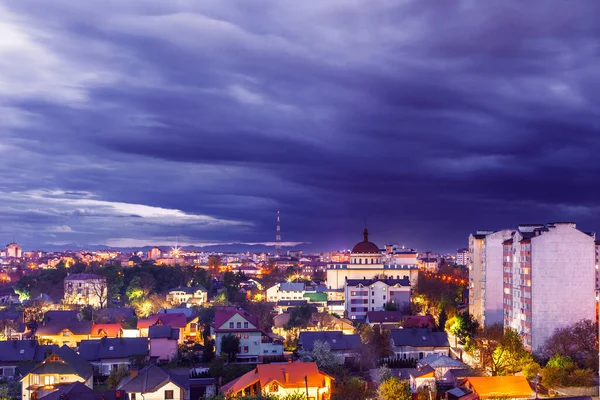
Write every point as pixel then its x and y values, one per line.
pixel 282 380
pixel 286 291
pixel 64 333
pixel 317 322
pixel 254 343
pixel 108 354
pixel 14 325
pixel 196 295
pixel 176 320
pixel 106 330
pixel 163 342
pixel 385 319
pixel 422 378
pixel 443 366
pixel 285 305
pixel 78 391
pixel 343 346
pixel 16 356
pixel 418 343
pixel 154 383
pixel 510 387
pixel 86 289
pixel 363 295
pixel 61 316
pixel 61 368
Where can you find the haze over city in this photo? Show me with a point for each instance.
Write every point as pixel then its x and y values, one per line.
pixel 136 124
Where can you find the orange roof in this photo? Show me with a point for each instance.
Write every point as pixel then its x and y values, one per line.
pixel 268 373
pixel 495 386
pixel 108 330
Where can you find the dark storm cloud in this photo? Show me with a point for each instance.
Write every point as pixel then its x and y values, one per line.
pixel 158 120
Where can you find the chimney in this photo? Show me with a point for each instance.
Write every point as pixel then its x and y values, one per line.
pixel 290 360
pixel 133 372
pixel 286 376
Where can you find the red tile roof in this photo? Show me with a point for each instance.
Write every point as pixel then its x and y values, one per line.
pixel 268 373
pixel 175 320
pixel 108 330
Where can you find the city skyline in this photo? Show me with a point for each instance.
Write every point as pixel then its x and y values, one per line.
pixel 125 124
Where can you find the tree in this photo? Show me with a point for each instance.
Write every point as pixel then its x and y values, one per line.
pixel 390 307
pixel 350 389
pixel 114 278
pixel 578 342
pixel 376 344
pixel 500 350
pixel 383 374
pixel 465 327
pixel 115 377
pixel 214 264
pixel 562 371
pixel 9 389
pixel 230 346
pixel 262 311
pixel 134 290
pixel 299 317
pixel 7 327
pixel 442 319
pixel 394 389
pixel 99 289
pixel 322 355
pixel 24 286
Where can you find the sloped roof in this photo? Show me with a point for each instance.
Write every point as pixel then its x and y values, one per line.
pixel 61 315
pixel 369 282
pixel 267 373
pixel 419 337
pixel 291 287
pixel 419 321
pixel 115 314
pixel 417 372
pixel 336 339
pixel 93 350
pixel 74 391
pixel 384 316
pixel 497 386
pixel 16 351
pixel 442 361
pixel 163 332
pixel 189 290
pixel 83 277
pixel 176 320
pixel 151 378
pixel 55 327
pixel 73 363
pixel 223 316
pixel 108 330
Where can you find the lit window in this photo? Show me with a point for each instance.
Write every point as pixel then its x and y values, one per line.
pixel 245 336
pixel 169 394
pixel 273 387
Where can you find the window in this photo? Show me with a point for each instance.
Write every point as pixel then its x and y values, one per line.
pixel 273 387
pixel 54 357
pixel 169 394
pixel 239 325
pixel 49 380
pixel 245 336
pixel 372 301
pixel 132 396
pixel 231 325
pixel 66 333
pixel 245 325
pixel 384 296
pixel 239 335
pixel 245 349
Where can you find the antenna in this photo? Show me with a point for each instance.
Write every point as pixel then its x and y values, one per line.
pixel 278 234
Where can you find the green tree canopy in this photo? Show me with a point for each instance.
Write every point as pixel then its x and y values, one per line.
pixel 230 346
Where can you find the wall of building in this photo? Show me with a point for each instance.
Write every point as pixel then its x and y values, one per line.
pixel 160 393
pixel 163 348
pixel 491 276
pixel 475 277
pixel 563 280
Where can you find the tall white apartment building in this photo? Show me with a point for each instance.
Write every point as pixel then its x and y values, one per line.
pixel 86 289
pixel 462 257
pixel 549 280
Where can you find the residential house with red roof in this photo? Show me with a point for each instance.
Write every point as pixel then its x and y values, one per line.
pixel 282 380
pixel 105 330
pixel 188 326
pixel 254 343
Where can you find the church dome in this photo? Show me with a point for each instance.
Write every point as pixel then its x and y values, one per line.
pixel 366 247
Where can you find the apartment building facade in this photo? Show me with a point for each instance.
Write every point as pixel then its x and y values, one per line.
pixel 549 280
pixel 364 295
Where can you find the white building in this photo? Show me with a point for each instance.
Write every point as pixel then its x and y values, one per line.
pixel 462 257
pixel 485 274
pixel 286 291
pixel 196 295
pixel 13 250
pixel 86 289
pixel 155 253
pixel 364 295
pixel 549 280
pixel 367 262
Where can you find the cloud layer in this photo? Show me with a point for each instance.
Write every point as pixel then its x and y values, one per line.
pixel 153 120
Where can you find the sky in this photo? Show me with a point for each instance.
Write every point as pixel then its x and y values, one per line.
pixel 130 123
